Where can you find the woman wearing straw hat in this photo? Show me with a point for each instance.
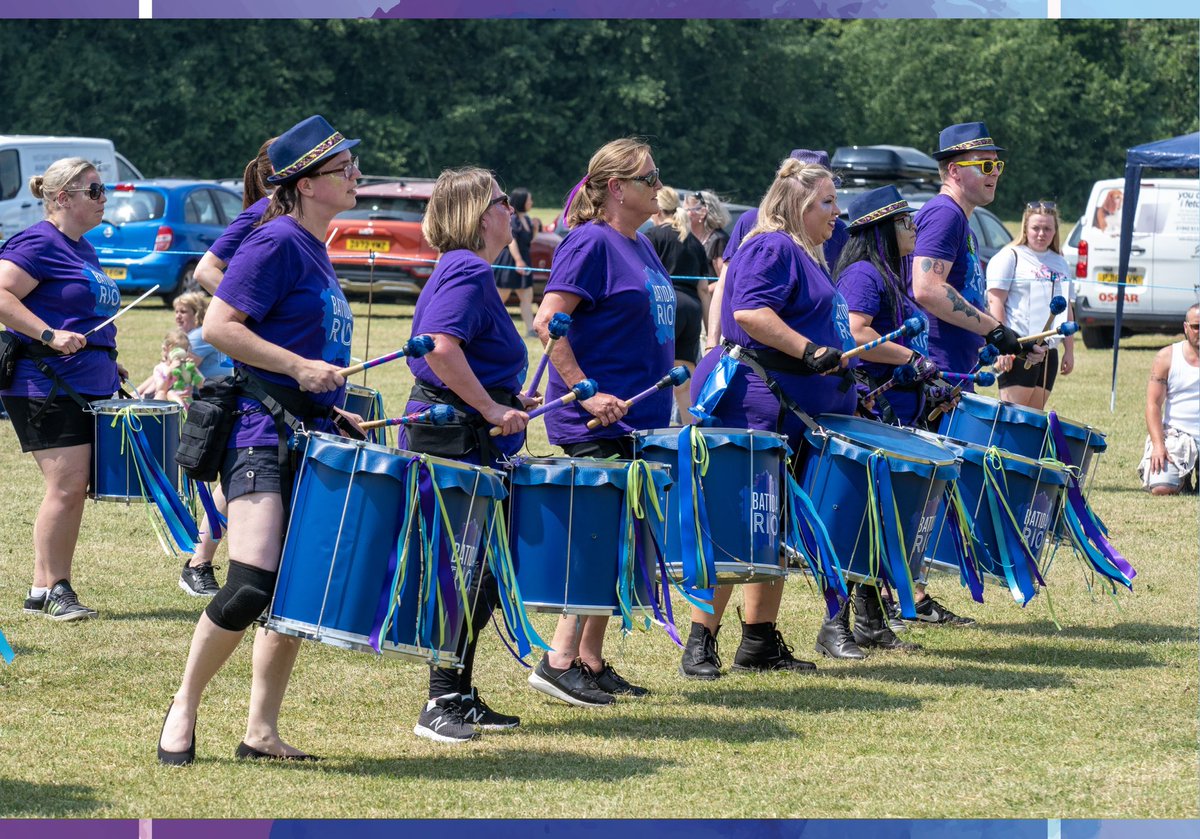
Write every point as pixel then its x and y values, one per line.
pixel 281 315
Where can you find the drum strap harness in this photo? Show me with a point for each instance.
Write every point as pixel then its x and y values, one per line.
pixel 779 361
pixel 456 439
pixel 37 353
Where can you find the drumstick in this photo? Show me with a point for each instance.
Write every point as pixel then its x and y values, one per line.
pixel 413 347
pixel 988 354
pixel 910 327
pixel 583 390
pixel 437 415
pixel 1058 305
pixel 676 377
pixel 559 324
pixel 902 375
pixel 123 311
pixel 984 377
pixel 1068 328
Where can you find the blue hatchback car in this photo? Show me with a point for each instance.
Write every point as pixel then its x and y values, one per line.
pixel 156 231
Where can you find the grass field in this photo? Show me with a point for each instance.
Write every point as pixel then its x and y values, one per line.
pixel 1012 719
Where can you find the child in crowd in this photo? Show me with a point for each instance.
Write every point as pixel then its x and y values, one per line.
pixel 175 377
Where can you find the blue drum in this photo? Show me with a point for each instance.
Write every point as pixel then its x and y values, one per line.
pixel 368 404
pixel 877 488
pixel 734 499
pixel 119 472
pixel 1011 504
pixel 577 540
pixel 382 548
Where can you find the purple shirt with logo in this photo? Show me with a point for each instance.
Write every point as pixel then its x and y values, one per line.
pixel 943 232
pixel 867 293
pixel 832 247
pixel 72 293
pixel 281 277
pixel 770 271
pixel 227 243
pixel 622 331
pixel 460 299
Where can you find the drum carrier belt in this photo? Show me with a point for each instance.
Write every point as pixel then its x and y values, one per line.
pixel 425 392
pixel 759 361
pixel 37 353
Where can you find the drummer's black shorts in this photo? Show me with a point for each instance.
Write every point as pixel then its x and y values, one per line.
pixel 250 469
pixel 63 423
pixel 1018 376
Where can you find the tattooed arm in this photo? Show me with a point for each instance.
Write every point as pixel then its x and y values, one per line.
pixel 1156 394
pixel 940 299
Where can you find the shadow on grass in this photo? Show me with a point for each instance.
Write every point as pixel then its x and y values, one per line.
pixel 25 799
pixel 518 765
pixel 190 615
pixel 930 673
pixel 1052 656
pixel 1140 632
pixel 809 698
pixel 683 727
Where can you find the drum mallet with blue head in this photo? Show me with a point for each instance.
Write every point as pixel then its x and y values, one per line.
pixel 676 377
pixel 1067 328
pixel 983 377
pixel 558 327
pixel 988 354
pixel 413 348
pixel 905 374
pixel 910 327
pixel 582 390
pixel 434 415
pixel 1058 305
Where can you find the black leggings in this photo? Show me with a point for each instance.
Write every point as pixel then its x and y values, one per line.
pixel 485 597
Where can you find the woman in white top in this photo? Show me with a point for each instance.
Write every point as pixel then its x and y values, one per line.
pixel 1021 281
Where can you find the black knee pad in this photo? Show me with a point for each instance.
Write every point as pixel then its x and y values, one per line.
pixel 240 602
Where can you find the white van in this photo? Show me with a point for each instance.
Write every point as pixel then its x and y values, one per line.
pixel 23 155
pixel 1164 261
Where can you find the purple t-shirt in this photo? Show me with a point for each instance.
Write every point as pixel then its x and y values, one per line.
pixel 227 243
pixel 867 293
pixel 943 232
pixel 460 299
pixel 72 293
pixel 832 247
pixel 282 279
pixel 622 331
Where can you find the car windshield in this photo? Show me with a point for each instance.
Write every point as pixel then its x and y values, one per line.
pixel 125 206
pixel 387 208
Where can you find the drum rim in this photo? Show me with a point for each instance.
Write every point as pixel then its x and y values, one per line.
pixel 590 462
pixel 377 447
pixel 360 390
pixel 950 461
pixel 140 406
pixel 716 429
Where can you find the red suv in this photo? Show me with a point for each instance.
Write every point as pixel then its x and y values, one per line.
pixel 386 223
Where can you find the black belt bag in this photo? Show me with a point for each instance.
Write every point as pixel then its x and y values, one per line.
pixel 205 433
pixel 456 439
pixel 10 346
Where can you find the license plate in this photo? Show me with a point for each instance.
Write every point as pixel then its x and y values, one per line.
pixel 1136 276
pixel 116 273
pixel 377 245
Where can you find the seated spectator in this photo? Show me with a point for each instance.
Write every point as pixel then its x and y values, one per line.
pixel 1173 414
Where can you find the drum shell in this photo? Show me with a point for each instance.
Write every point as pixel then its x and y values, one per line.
pixel 564 531
pixel 114 473
pixel 743 495
pixel 363 401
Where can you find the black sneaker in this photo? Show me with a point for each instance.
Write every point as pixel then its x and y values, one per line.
pixel 442 721
pixel 930 611
pixel 62 604
pixel 199 581
pixel 575 685
pixel 35 604
pixel 476 712
pixel 610 681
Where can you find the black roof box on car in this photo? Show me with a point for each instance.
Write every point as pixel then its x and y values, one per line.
pixel 884 163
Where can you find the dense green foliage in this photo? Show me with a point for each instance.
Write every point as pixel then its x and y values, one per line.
pixel 721 101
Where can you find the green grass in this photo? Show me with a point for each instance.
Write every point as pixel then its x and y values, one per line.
pixel 1012 719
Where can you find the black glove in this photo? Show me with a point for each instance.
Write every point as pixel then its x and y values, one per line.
pixel 1005 340
pixel 818 359
pixel 923 368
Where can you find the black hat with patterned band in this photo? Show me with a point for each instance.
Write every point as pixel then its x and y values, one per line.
pixel 962 138
pixel 303 146
pixel 875 205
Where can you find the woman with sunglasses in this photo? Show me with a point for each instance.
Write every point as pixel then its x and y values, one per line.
pixel 708 218
pixel 782 312
pixel 279 312
pixel 607 277
pixel 1021 281
pixel 52 294
pixel 512 264
pixel 476 365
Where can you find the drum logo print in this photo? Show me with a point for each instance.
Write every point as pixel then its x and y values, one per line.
pixel 468 549
pixel 104 290
pixel 1037 521
pixel 841 319
pixel 760 509
pixel 928 517
pixel 662 305
pixel 338 323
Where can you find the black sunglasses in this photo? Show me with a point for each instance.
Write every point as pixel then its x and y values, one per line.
pixel 649 179
pixel 1038 206
pixel 93 190
pixel 502 198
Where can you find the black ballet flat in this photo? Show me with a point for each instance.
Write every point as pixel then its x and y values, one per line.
pixel 184 758
pixel 244 752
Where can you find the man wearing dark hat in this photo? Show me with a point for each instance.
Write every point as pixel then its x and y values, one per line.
pixel 947 277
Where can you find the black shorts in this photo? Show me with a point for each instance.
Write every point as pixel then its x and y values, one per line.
pixel 251 469
pixel 688 314
pixel 1018 376
pixel 63 423
pixel 602 447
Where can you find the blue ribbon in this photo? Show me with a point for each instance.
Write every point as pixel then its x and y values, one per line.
pixel 512 606
pixel 966 546
pixel 216 521
pixel 1009 540
pixel 811 540
pixel 714 388
pixel 6 651
pixel 699 569
pixel 175 515
pixel 890 536
pixel 385 608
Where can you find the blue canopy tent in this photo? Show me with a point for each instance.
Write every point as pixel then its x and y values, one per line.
pixel 1176 154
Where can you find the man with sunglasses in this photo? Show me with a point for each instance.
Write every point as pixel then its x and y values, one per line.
pixel 1173 413
pixel 947 276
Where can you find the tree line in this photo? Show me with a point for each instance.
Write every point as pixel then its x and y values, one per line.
pixel 721 101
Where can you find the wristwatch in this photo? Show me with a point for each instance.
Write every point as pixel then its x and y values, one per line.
pixel 47 336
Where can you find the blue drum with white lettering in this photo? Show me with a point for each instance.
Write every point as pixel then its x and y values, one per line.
pixel 116 475
pixel 735 500
pixel 577 540
pixel 382 547
pixel 368 404
pixel 877 489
